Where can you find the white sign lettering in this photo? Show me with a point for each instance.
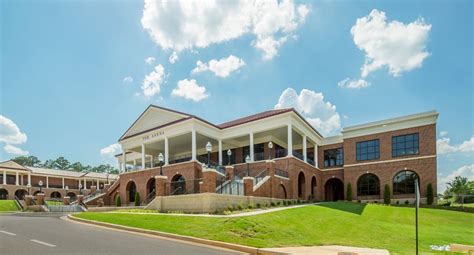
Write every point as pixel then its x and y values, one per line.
pixel 156 134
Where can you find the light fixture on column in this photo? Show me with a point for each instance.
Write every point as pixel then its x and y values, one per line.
pixel 66 189
pixel 208 149
pixel 40 183
pixel 270 146
pixel 247 160
pixel 161 159
pixel 29 187
pixel 229 153
pixel 80 189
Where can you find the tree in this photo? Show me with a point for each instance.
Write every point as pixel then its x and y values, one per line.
pixel 118 201
pixel 28 161
pixel 78 167
pixel 48 164
pixel 429 194
pixel 459 186
pixel 386 195
pixel 349 192
pixel 61 163
pixel 137 199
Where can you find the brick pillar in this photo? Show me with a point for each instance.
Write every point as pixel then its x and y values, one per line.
pixel 66 200
pixel 28 200
pixel 80 198
pixel 106 187
pixel 100 202
pixel 248 185
pixel 229 172
pixel 209 177
pixel 160 183
pixel 40 198
pixel 270 166
pixel 93 189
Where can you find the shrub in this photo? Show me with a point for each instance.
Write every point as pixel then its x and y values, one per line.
pixel 230 208
pixel 137 199
pixel 349 192
pixel 240 207
pixel 250 206
pixel 118 201
pixel 285 202
pixel 358 201
pixel 386 195
pixel 272 204
pixel 429 194
pixel 407 202
pixel 278 203
pixel 259 205
pixel 398 202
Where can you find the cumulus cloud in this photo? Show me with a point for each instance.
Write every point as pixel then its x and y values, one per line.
pixel 222 68
pixel 398 46
pixel 150 60
pixel 319 113
pixel 153 81
pixel 111 150
pixel 173 57
pixel 190 90
pixel 444 146
pixel 464 171
pixel 353 84
pixel 128 79
pixel 443 133
pixel 10 134
pixel 188 24
pixel 11 149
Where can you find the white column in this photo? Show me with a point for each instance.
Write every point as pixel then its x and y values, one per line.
pixel 4 177
pixel 97 181
pixel 85 183
pixel 143 156
pixel 193 144
pixel 124 161
pixel 251 147
pixel 151 161
pixel 290 140
pixel 220 152
pixel 304 149
pixel 316 155
pixel 47 182
pixel 167 155
pixel 22 183
pixel 63 182
pixel 17 179
pixel 29 178
pixel 79 183
pixel 134 164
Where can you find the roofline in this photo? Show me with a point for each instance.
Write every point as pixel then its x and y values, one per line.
pixel 432 113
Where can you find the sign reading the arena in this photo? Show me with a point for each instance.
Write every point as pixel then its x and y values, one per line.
pixel 156 134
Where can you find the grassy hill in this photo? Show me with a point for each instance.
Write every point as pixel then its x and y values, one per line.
pixel 353 224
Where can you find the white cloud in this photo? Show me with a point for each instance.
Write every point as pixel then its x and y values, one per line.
pixel 398 46
pixel 444 146
pixel 443 133
pixel 222 68
pixel 150 60
pixel 128 79
pixel 188 24
pixel 152 82
pixel 111 150
pixel 353 84
pixel 319 113
pixel 464 171
pixel 173 57
pixel 11 134
pixel 10 149
pixel 190 90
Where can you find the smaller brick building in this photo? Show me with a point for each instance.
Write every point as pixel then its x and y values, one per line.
pixel 275 154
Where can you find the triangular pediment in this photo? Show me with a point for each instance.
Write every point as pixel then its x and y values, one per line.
pixel 152 117
pixel 10 164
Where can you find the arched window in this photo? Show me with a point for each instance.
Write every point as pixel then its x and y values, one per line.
pixel 368 185
pixel 404 182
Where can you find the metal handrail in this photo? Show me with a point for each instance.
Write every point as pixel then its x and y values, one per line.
pixel 298 155
pixel 260 176
pixel 282 173
pixel 17 199
pixel 150 197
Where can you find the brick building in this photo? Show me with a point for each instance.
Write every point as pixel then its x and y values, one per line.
pixel 275 154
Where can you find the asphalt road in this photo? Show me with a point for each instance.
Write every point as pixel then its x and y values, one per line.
pixel 40 234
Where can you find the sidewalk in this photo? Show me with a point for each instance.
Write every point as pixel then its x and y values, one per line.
pixel 324 250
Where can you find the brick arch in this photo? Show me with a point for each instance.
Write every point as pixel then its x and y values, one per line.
pixel 3 194
pixel 334 189
pixel 130 190
pixel 282 191
pixel 21 193
pixel 55 194
pixel 392 181
pixel 301 185
pixel 377 183
pixel 313 187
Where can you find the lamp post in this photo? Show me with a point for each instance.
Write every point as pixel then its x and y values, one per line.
pixel 161 159
pixel 66 189
pixel 29 187
pixel 208 149
pixel 270 146
pixel 107 176
pixel 40 183
pixel 80 189
pixel 247 160
pixel 229 153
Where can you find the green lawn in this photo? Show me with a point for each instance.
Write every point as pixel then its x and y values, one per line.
pixel 353 224
pixel 8 206
pixel 51 202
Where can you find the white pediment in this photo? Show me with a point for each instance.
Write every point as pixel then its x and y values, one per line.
pixel 153 117
pixel 10 164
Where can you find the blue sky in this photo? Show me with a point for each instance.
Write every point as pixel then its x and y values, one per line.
pixel 63 66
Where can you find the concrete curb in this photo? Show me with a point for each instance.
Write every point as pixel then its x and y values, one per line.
pixel 235 247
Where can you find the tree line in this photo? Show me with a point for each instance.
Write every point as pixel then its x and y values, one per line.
pixel 62 163
pixel 460 188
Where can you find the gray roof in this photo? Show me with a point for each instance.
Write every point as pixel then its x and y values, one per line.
pixel 68 173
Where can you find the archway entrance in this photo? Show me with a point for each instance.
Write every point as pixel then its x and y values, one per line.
pixel 71 195
pixel 334 189
pixel 20 194
pixel 282 192
pixel 3 194
pixel 313 187
pixel 150 186
pixel 301 188
pixel 131 190
pixel 55 195
pixel 178 185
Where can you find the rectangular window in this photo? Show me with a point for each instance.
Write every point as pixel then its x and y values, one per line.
pixel 334 157
pixel 368 150
pixel 405 145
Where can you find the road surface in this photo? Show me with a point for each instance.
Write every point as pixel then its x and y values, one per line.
pixel 49 234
